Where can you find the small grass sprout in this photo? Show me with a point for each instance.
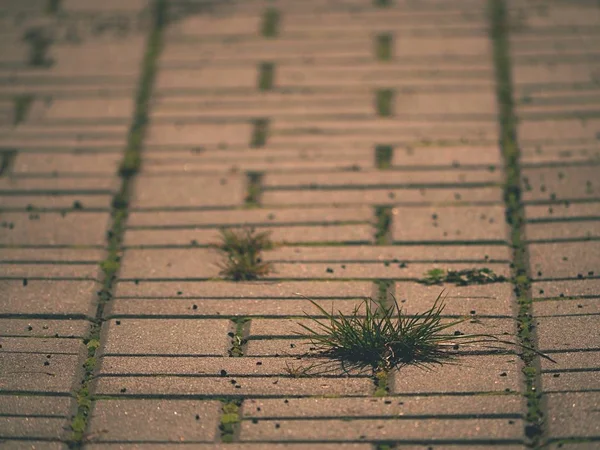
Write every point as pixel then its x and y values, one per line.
pixel 384 338
pixel 243 254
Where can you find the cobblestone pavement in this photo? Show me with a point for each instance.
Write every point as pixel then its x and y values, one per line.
pixel 375 140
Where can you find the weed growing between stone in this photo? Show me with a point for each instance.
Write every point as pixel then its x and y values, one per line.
pixel 462 277
pixel 243 254
pixel 383 337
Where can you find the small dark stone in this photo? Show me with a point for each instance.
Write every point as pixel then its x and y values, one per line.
pixel 25 281
pixel 329 270
pixel 223 373
pixel 503 374
pixel 197 417
pixel 123 390
pixel 556 375
pixel 277 425
pixel 46 363
pixel 118 322
pixel 194 306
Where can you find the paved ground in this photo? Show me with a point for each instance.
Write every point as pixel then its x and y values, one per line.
pixel 364 135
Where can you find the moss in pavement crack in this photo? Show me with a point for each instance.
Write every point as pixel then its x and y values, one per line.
pixel 499 28
pixel 111 264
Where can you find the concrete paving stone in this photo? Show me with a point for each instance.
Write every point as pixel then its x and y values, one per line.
pixel 197 134
pixel 166 336
pixel 52 202
pixel 259 104
pixel 475 301
pixel 573 211
pixel 391 254
pixel 237 217
pixel 243 289
pixel 219 386
pixel 379 179
pixel 54 229
pixel 556 72
pixel 44 328
pixel 483 223
pixel 155 420
pixel 52 255
pixel 217 307
pixel 573 445
pixel 207 78
pixel 446 196
pixel 29 84
pixel 565 260
pixel 352 233
pixel 469 374
pixel 28 136
pixel 575 307
pixel 566 361
pixel 109 57
pixel 304 408
pixel 34 445
pixel 49 298
pixel 113 6
pixel 557 130
pixel 352 270
pixel 453 156
pixel 191 263
pixel 429 430
pixel 566 288
pixel 373 77
pixel 35 405
pixel 395 128
pixel 556 184
pixel 211 25
pixel 27 373
pixel 66 164
pixel 568 333
pixel 447 103
pixel 233 367
pixel 96 110
pixel 570 381
pixel 573 415
pixel 40 345
pixel 182 49
pixel 559 231
pixel 45 428
pixel 55 186
pixel 48 271
pixel 234 446
pixel 562 15
pixel 188 191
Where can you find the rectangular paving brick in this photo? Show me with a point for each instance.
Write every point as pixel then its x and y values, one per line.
pixel 449 156
pixel 482 104
pixel 468 374
pixel 166 336
pixel 303 408
pixel 575 307
pixel 376 179
pixel 243 289
pixel 568 333
pixel 239 446
pixel 573 415
pixel 46 428
pixel 565 153
pixel 188 191
pixel 354 233
pixel 58 186
pixel 155 420
pixel 28 327
pixel 562 231
pixel 222 386
pixel 568 183
pixel 35 405
pixel 194 134
pixel 48 297
pixel 207 78
pixel 564 260
pixel 64 164
pixel 378 196
pixel 170 263
pixel 559 211
pixel 450 224
pixel 28 372
pixel 570 381
pixel 54 229
pixel 566 288
pixel 55 202
pixel 565 129
pixel 500 430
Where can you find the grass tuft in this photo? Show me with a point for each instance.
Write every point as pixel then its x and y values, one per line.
pixel 384 338
pixel 243 254
pixel 463 277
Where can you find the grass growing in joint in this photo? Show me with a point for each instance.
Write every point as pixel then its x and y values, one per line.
pixel 265 76
pixel 243 254
pixel 383 337
pixel 383 48
pixel 463 277
pixel 384 102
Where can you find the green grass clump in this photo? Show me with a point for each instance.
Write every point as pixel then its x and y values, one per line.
pixel 463 277
pixel 383 337
pixel 243 254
